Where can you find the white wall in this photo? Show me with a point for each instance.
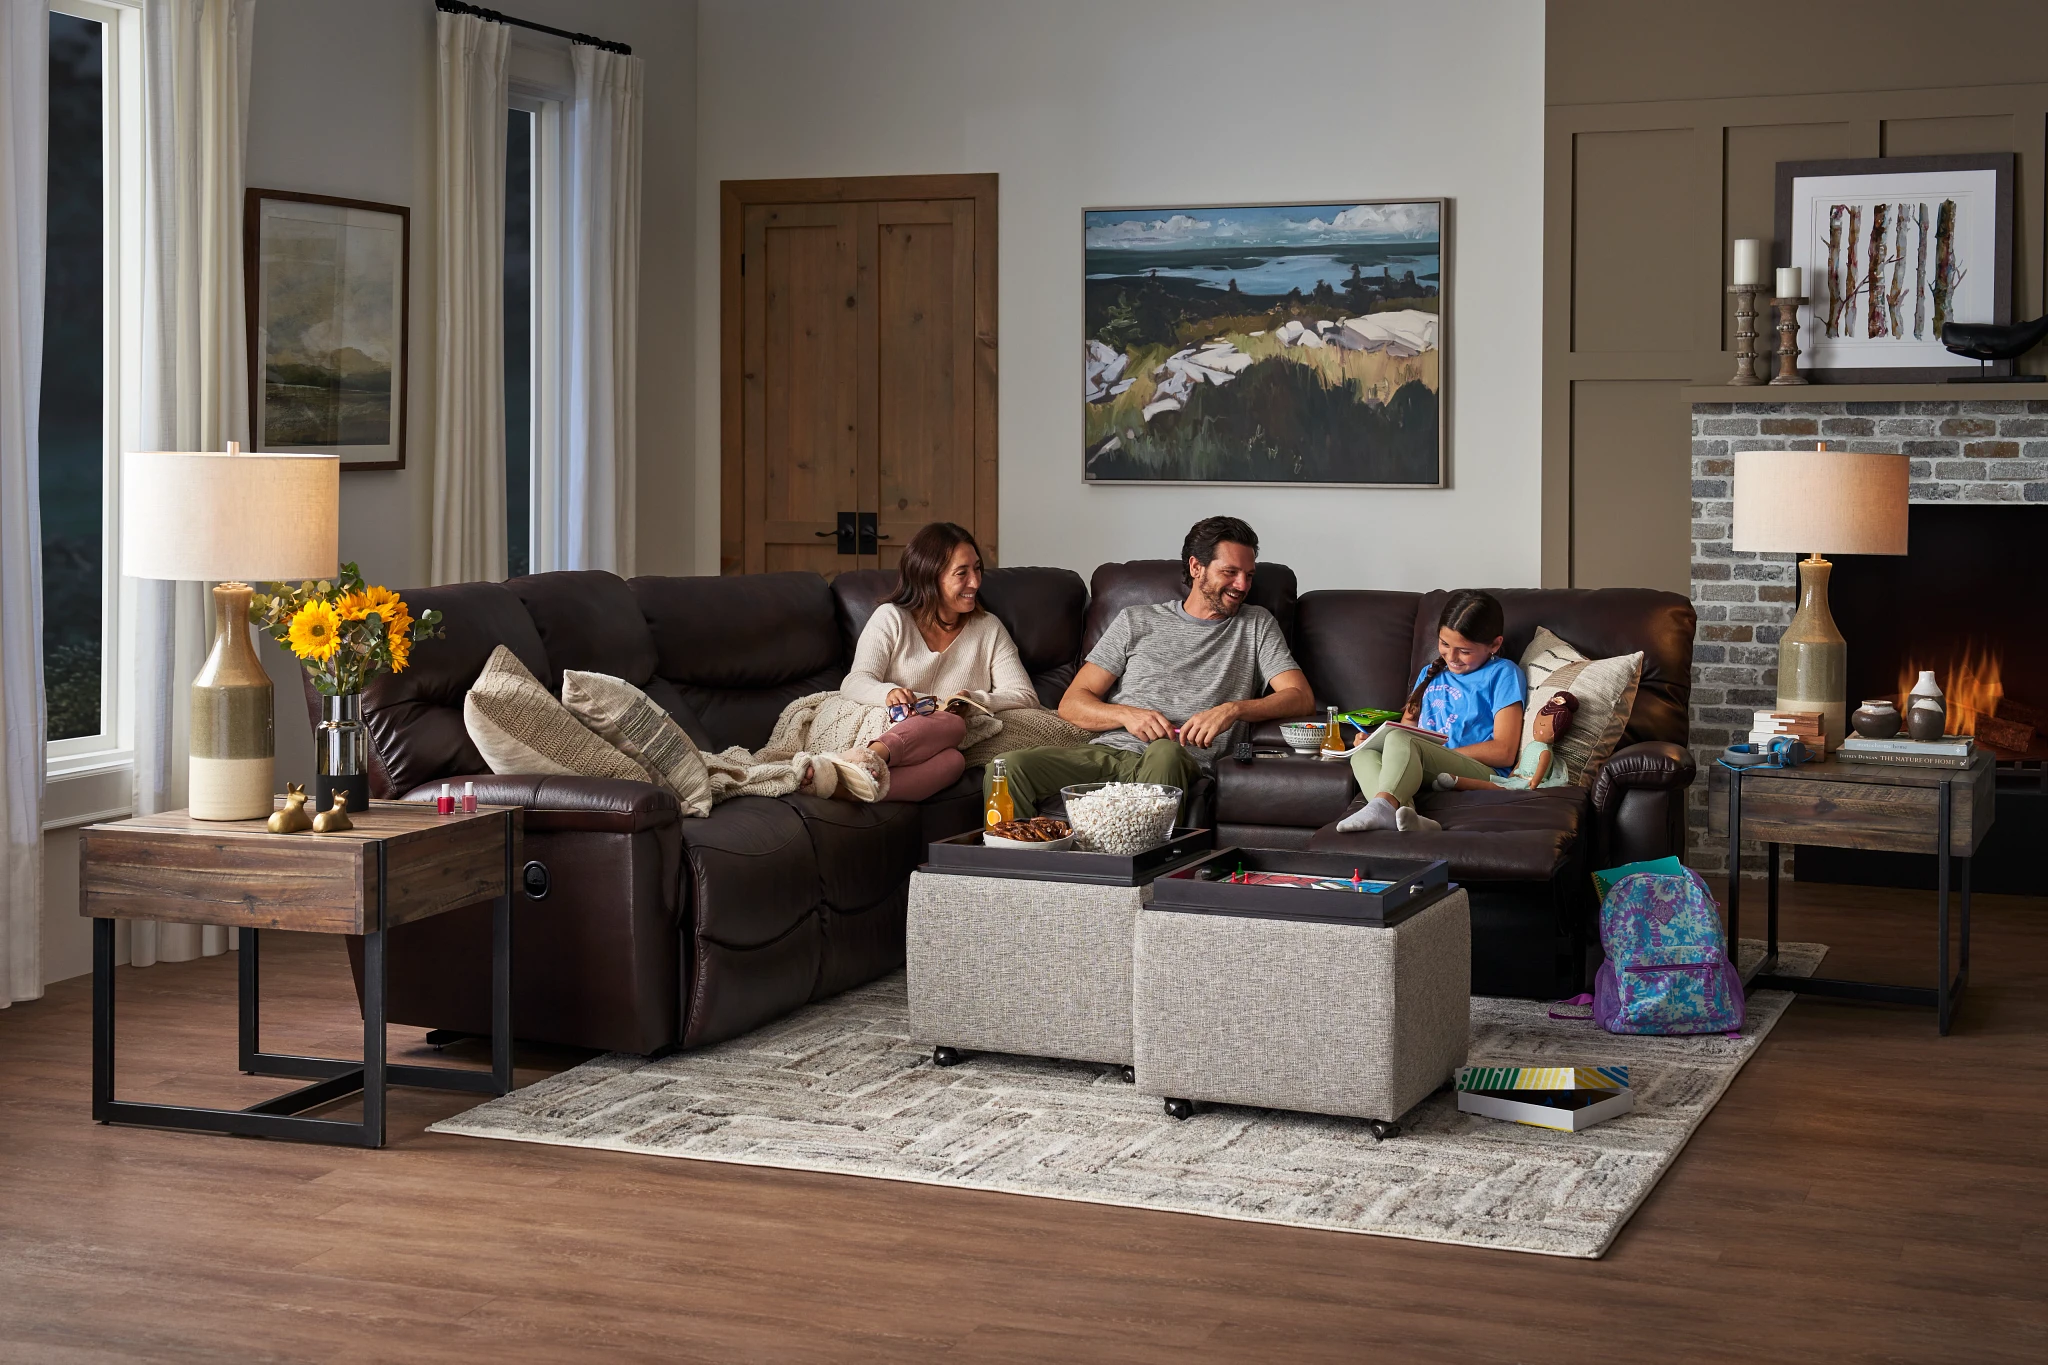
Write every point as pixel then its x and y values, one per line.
pixel 1171 102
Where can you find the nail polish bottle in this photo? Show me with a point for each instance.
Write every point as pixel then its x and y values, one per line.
pixel 446 804
pixel 469 798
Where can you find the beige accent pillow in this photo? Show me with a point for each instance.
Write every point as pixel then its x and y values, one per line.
pixel 521 728
pixel 636 725
pixel 1606 689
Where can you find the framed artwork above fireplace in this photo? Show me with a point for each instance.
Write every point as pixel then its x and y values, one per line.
pixel 1893 248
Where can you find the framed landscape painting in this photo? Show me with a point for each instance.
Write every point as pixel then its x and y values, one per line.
pixel 1893 249
pixel 326 282
pixel 1267 343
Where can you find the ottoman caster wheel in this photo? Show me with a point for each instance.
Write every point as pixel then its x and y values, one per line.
pixel 1381 1130
pixel 1180 1109
pixel 946 1056
pixel 1129 1075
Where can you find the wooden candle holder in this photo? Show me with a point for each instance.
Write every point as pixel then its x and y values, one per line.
pixel 1745 332
pixel 1788 341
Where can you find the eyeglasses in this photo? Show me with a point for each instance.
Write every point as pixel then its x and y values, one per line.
pixel 923 706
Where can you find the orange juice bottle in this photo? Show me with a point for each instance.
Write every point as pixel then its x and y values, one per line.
pixel 1001 808
pixel 1333 738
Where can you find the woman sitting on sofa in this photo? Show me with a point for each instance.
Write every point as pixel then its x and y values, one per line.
pixel 1468 693
pixel 933 644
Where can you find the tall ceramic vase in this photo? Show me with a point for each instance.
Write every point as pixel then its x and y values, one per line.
pixel 341 752
pixel 1926 712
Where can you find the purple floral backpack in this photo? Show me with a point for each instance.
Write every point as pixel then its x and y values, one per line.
pixel 1666 971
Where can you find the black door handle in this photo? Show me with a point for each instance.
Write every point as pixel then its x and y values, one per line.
pixel 845 534
pixel 869 534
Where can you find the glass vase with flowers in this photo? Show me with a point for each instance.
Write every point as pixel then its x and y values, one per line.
pixel 344 633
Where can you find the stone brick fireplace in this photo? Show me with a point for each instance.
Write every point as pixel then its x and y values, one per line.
pixel 1967 453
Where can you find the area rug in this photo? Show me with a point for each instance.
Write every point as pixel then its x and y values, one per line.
pixel 838 1087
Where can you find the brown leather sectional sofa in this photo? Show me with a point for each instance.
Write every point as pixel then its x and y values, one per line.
pixel 641 930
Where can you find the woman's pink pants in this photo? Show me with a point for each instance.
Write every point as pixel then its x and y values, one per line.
pixel 924 755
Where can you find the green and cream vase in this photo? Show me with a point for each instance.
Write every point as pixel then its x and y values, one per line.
pixel 234 739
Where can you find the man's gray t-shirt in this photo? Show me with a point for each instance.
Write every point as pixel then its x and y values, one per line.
pixel 1176 664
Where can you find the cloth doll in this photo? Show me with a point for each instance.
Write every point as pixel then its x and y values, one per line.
pixel 1538 766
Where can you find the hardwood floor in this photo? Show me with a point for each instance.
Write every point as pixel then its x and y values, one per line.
pixel 1865 1191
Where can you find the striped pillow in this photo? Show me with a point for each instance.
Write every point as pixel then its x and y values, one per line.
pixel 1606 689
pixel 519 727
pixel 635 724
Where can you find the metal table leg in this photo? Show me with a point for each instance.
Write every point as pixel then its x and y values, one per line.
pixel 1734 925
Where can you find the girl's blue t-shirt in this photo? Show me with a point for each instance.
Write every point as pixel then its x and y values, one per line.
pixel 1462 705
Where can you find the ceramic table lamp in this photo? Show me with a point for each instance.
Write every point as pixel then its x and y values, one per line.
pixel 1823 502
pixel 226 519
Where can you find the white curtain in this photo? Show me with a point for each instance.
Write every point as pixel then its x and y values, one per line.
pixel 24 186
pixel 194 381
pixel 469 313
pixel 595 501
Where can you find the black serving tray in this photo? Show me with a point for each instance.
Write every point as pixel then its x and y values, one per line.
pixel 964 855
pixel 1200 887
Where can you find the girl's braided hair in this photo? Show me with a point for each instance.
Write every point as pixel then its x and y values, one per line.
pixel 1471 613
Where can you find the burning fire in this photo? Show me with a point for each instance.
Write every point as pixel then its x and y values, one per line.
pixel 1971 688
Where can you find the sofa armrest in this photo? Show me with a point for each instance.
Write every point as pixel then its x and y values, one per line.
pixel 606 805
pixel 1639 803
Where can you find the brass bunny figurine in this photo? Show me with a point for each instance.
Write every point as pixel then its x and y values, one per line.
pixel 334 819
pixel 293 818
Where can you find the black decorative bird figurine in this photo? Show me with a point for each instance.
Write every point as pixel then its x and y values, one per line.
pixel 1987 341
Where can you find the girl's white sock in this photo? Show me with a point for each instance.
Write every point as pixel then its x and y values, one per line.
pixel 1378 813
pixel 1408 820
pixel 1446 781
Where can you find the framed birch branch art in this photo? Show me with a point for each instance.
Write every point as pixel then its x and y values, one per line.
pixel 1894 249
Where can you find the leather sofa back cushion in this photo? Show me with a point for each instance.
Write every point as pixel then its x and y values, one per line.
pixel 1043 609
pixel 1602 624
pixel 736 649
pixel 415 717
pixel 1353 645
pixel 588 620
pixel 520 728
pixel 1140 582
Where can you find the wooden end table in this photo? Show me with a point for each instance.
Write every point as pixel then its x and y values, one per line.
pixel 1942 811
pixel 402 862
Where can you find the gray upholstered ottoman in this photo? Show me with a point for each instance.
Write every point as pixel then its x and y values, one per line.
pixel 1330 1018
pixel 1008 965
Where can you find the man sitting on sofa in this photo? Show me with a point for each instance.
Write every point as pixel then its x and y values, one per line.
pixel 1167 681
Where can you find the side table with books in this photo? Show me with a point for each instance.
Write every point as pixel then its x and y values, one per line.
pixel 1844 802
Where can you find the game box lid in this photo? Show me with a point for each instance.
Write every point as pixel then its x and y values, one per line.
pixel 1339 888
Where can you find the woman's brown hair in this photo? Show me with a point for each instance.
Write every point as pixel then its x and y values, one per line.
pixel 924 563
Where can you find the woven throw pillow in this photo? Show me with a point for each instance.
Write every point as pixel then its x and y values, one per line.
pixel 1606 689
pixel 520 728
pixel 636 725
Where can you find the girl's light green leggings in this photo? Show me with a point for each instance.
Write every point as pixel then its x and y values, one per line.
pixel 1403 762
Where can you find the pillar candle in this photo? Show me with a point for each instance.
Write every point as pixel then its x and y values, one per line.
pixel 1789 282
pixel 1749 261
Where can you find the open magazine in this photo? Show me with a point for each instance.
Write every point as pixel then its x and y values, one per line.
pixel 1379 736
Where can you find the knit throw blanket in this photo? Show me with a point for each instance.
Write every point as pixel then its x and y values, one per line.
pixel 813 730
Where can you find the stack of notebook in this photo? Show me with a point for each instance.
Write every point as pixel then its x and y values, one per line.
pixel 1568 1098
pixel 1804 726
pixel 1950 751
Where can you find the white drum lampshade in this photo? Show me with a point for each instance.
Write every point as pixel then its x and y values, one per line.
pixel 229 519
pixel 1822 502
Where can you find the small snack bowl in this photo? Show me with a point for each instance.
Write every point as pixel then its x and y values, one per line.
pixel 1055 844
pixel 1304 736
pixel 1124 818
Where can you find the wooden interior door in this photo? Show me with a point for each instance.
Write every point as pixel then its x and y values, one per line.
pixel 858 360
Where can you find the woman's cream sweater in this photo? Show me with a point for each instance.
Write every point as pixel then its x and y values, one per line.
pixel 981 662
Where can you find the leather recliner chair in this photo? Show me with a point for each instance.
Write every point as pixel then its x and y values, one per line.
pixel 639 930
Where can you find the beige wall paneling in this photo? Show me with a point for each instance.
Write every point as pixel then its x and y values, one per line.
pixel 1631 490
pixel 1636 292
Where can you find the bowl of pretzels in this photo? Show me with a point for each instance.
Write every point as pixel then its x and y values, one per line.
pixel 1041 832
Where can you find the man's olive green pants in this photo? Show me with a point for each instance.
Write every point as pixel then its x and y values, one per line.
pixel 1036 775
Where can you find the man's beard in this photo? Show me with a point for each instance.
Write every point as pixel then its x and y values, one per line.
pixel 1220 601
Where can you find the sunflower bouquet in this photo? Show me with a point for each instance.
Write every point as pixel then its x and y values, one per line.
pixel 344 631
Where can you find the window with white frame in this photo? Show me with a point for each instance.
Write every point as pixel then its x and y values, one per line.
pixel 88 309
pixel 533 133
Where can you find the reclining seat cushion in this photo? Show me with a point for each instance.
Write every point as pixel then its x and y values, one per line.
pixel 733 651
pixel 415 720
pixel 1496 836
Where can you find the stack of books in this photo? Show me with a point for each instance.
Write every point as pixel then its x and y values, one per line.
pixel 1950 751
pixel 1804 726
pixel 1568 1098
